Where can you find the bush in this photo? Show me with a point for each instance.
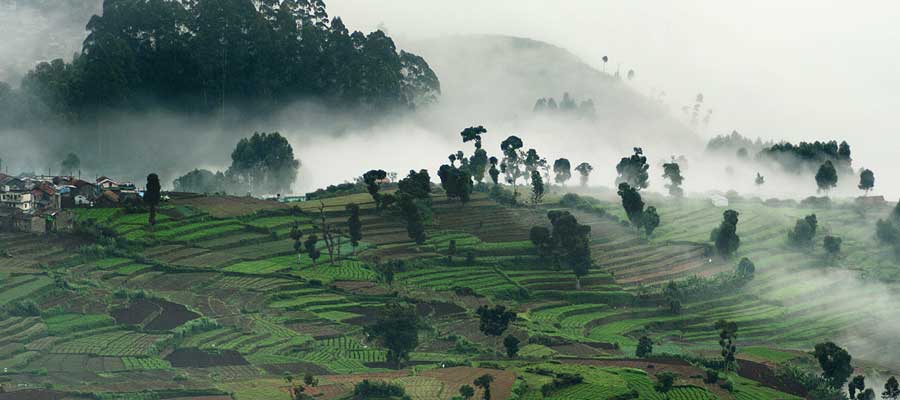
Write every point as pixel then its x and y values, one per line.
pixel 727 384
pixel 22 308
pixel 712 376
pixel 562 380
pixel 374 389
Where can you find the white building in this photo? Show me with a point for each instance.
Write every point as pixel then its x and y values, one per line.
pixel 17 199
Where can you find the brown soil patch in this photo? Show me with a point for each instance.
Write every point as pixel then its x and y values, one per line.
pixel 154 314
pixel 196 358
pixel 438 309
pixel 455 377
pixel 763 374
pixel 229 206
pixel 295 368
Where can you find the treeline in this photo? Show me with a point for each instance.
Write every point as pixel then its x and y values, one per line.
pixel 566 105
pixel 810 155
pixel 200 55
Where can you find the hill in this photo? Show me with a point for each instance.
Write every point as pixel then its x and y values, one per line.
pixel 214 303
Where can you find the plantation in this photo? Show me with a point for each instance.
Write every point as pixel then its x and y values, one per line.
pixel 214 289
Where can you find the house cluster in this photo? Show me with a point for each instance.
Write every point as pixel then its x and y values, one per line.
pixel 38 204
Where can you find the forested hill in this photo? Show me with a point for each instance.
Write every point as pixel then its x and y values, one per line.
pixel 198 55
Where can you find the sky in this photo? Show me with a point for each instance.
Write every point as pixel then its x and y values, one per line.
pixel 794 70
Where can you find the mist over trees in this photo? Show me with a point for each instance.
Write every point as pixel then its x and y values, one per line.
pixel 199 55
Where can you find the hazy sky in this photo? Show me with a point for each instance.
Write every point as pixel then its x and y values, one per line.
pixel 776 69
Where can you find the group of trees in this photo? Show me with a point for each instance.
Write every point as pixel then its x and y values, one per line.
pixel 566 106
pixel 646 219
pixel 836 365
pixel 809 154
pixel 567 243
pixel 198 55
pixel 261 164
pixel 888 230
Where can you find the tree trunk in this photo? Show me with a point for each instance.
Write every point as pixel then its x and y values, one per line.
pixel 152 215
pixel 577 283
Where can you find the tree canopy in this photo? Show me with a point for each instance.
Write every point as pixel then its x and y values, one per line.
pixel 866 180
pixel 198 55
pixel 585 170
pixel 265 163
pixel 397 328
pixel 633 170
pixel 826 177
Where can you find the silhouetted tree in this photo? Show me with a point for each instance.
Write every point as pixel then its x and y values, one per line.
pixel 372 178
pixel 466 392
pixel 745 268
pixel 494 321
pixel 265 163
pixel 726 237
pixel 826 177
pixel 835 363
pixel 296 235
pixel 672 172
pixel 533 162
pixel 760 180
pixel 563 170
pixel 650 220
pixel 632 203
pixel 585 170
pixel 630 74
pixel 456 182
pixel 512 159
pixel 311 250
pixel 494 172
pixel 866 180
pixel 633 170
pixel 540 237
pixel 605 60
pixel 664 383
pixel 396 328
pixel 832 245
pixel 354 225
pixel 451 250
pixel 152 196
pixel 571 243
pixel 804 231
pixel 537 187
pixel 484 382
pixel 644 347
pixel 727 335
pixel 511 343
pixel 891 389
pixel 415 223
pixel 71 164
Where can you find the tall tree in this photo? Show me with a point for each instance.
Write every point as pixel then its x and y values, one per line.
pixel 466 392
pixel 484 382
pixel 511 343
pixel 494 172
pixel 891 389
pixel 727 336
pixel 866 180
pixel 665 381
pixel 311 250
pixel 585 170
pixel 512 160
pixel 650 220
pixel 397 328
pixel 835 363
pixel 804 231
pixel 633 170
pixel 152 196
pixel 571 243
pixel 826 177
pixel 71 164
pixel 479 160
pixel 760 180
pixel 354 225
pixel 265 162
pixel 494 321
pixel 296 235
pixel 672 172
pixel 563 170
pixel 537 187
pixel 644 347
pixel 632 203
pixel 372 179
pixel 726 237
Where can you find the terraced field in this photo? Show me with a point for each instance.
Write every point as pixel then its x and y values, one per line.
pixel 214 300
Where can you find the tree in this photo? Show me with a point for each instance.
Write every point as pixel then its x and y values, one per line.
pixel 417 185
pixel 633 170
pixel 571 243
pixel 396 328
pixel 826 177
pixel 71 163
pixel 832 245
pixel 265 163
pixel 512 159
pixel 296 234
pixel 537 187
pixel 372 178
pixel 632 203
pixel 466 392
pixel 745 268
pixel 726 237
pixel 727 335
pixel 152 196
pixel 310 380
pixel 835 363
pixel 672 172
pixel 605 59
pixel 650 220
pixel 760 180
pixel 451 250
pixel 630 74
pixel 354 225
pixel 664 383
pixel 585 170
pixel 866 180
pixel 563 170
pixel 456 182
pixel 310 245
pixel 804 231
pixel 494 172
pixel 415 223
pixel 484 382
pixel 644 347
pixel 891 389
pixel 532 162
pixel 494 321
pixel 857 383
pixel 511 343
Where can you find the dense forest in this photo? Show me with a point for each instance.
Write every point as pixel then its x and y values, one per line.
pixel 198 56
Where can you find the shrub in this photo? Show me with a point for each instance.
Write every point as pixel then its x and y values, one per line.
pixel 374 389
pixel 562 380
pixel 23 308
pixel 712 376
pixel 727 384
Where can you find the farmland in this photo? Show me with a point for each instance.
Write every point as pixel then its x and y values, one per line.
pixel 215 301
